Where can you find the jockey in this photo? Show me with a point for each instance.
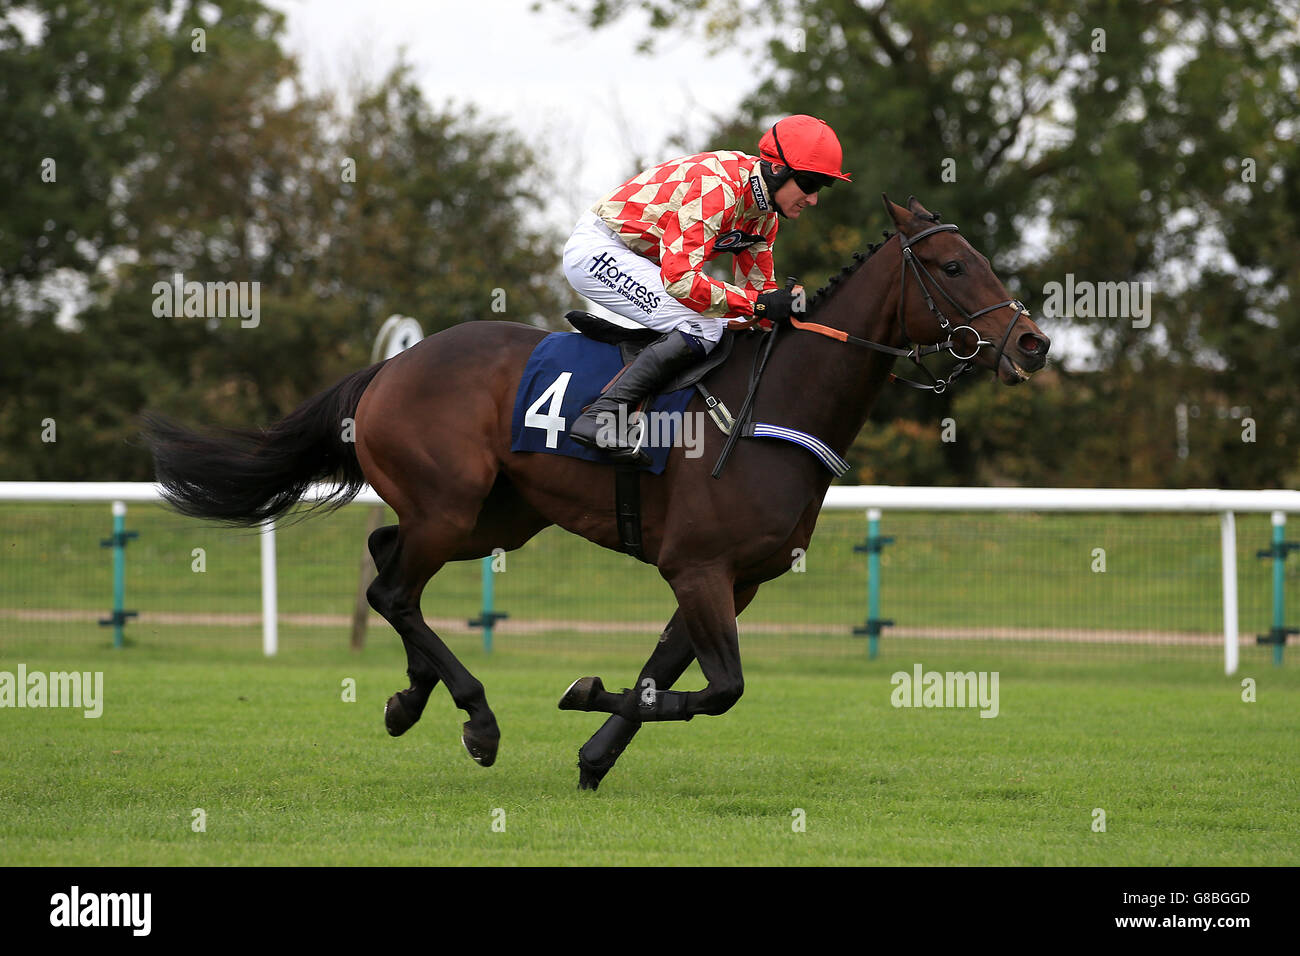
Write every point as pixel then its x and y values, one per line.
pixel 641 252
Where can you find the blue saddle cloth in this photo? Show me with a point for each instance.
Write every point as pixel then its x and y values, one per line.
pixel 565 374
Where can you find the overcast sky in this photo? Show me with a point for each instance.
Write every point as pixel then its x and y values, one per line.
pixel 594 103
pixel 596 108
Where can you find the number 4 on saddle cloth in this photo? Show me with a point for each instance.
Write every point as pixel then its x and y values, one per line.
pixel 567 372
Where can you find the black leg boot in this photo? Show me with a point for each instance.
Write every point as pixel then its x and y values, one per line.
pixel 650 370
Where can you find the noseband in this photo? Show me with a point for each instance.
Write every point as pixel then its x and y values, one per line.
pixel 917 352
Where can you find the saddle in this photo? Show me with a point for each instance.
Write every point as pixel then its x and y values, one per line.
pixel 631 341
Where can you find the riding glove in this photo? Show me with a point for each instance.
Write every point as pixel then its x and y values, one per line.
pixel 776 305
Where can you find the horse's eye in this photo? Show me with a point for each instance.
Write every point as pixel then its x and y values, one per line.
pixel 952 268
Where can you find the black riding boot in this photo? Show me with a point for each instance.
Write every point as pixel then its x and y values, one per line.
pixel 649 371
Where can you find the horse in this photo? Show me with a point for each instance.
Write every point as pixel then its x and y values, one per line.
pixel 432 436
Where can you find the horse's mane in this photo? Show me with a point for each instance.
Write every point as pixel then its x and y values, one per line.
pixel 859 258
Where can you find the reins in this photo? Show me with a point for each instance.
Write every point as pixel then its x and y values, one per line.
pixel 918 352
pixel 738 425
pixel 742 427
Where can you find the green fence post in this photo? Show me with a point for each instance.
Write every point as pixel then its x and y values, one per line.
pixel 1281 548
pixel 488 618
pixel 872 547
pixel 118 543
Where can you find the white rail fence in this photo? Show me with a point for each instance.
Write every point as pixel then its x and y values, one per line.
pixel 863 498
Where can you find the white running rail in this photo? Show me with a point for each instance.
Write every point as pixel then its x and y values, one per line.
pixel 839 498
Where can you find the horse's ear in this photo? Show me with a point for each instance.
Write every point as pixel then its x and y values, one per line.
pixel 917 209
pixel 901 216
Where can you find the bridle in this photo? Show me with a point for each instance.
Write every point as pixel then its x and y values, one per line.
pixel 917 352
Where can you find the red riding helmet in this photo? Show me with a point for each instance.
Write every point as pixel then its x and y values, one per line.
pixel 804 144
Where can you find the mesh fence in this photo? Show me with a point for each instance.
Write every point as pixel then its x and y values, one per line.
pixel 982 586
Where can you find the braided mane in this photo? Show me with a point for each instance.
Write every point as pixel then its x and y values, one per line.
pixel 859 258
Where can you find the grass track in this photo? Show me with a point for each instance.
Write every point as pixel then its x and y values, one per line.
pixel 288 774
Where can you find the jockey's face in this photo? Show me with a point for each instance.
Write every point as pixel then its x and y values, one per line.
pixel 792 200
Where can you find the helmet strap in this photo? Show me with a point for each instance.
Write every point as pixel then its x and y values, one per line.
pixel 774 181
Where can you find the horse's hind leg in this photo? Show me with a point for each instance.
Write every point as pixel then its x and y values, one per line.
pixel 405 707
pixel 412 558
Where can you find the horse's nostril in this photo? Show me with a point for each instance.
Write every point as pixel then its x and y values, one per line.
pixel 1032 344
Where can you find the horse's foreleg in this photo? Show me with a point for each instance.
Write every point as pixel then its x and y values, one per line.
pixel 672 656
pixel 707 609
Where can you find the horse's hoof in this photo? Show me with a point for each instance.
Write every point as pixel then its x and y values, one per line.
pixel 481 747
pixel 592 772
pixel 589 775
pixel 397 717
pixel 581 693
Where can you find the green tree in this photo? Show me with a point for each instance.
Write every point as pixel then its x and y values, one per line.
pixel 1114 142
pixel 219 167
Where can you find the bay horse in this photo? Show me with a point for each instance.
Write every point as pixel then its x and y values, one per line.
pixel 433 438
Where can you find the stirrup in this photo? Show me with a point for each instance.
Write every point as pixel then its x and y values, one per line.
pixel 630 449
pixel 640 429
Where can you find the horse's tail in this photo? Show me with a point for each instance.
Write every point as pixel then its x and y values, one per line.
pixel 247 476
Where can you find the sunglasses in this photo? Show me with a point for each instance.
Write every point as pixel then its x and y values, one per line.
pixel 811 182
